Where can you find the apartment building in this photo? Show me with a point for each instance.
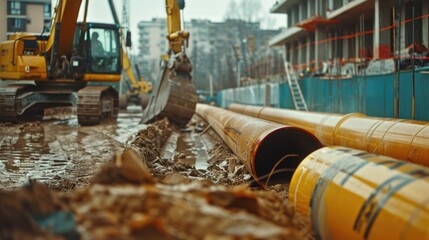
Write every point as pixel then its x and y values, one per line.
pixel 24 16
pixel 347 30
pixel 215 48
pixel 3 20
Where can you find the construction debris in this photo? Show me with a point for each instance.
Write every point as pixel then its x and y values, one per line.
pixel 140 194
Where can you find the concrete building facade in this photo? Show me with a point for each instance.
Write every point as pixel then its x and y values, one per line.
pixel 349 30
pixel 152 43
pixel 24 16
pixel 3 20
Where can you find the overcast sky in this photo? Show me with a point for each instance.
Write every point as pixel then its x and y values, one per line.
pixel 195 9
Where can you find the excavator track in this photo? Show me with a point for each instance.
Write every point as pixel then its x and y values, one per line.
pixel 173 97
pixel 8 96
pixel 26 102
pixel 19 102
pixel 96 103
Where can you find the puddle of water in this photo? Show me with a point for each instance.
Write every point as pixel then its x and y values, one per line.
pixel 169 148
pixel 190 149
pixel 59 149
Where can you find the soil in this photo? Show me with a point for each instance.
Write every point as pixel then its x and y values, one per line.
pixel 160 183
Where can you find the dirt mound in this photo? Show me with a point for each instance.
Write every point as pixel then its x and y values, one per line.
pixel 20 210
pixel 194 210
pixel 33 127
pixel 58 112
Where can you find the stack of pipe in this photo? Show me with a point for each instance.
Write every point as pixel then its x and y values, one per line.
pixel 350 194
pixel 398 138
pixel 346 193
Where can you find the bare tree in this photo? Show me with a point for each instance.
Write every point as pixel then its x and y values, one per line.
pixel 251 10
pixel 231 11
pixel 245 10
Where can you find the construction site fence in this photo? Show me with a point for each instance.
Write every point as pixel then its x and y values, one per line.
pixel 373 95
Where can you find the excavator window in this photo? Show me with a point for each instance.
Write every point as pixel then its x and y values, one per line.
pixel 97 49
pixel 105 54
pixel 101 47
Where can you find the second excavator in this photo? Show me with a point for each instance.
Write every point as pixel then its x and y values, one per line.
pixel 174 95
pixel 137 88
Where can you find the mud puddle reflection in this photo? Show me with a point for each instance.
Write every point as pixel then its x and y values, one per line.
pixel 193 147
pixel 59 152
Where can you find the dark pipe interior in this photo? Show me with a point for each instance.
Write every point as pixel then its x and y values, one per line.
pixel 277 145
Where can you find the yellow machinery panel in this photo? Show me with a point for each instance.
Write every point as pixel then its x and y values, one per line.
pixel 21 59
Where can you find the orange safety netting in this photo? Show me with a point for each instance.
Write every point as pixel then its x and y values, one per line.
pixel 384 50
pixel 310 24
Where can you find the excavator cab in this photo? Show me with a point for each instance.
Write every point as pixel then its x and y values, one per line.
pixel 100 46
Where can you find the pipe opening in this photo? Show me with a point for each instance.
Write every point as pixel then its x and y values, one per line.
pixel 283 149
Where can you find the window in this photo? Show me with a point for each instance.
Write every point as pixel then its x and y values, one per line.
pixel 304 11
pixel 104 50
pixel 312 7
pixel 295 10
pixel 47 10
pixel 413 29
pixel 47 25
pixel 337 4
pixel 16 23
pixel 15 8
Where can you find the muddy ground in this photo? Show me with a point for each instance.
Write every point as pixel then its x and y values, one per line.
pixel 59 152
pixel 125 180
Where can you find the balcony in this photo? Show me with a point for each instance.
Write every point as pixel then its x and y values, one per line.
pixel 311 23
pixel 351 10
pixel 286 36
pixel 282 6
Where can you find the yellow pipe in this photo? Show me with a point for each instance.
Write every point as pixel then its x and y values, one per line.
pixel 406 140
pixel 259 144
pixel 351 194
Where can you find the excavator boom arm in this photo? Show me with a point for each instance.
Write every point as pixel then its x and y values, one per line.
pixel 176 37
pixel 64 25
pixel 138 85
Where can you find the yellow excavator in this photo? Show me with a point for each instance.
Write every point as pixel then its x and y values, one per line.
pixel 137 88
pixel 173 95
pixel 61 65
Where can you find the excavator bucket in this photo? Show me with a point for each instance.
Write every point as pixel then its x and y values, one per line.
pixel 173 97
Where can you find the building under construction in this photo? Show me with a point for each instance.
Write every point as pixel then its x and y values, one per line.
pixel 348 55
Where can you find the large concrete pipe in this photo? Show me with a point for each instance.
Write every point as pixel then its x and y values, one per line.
pixel 261 145
pixel 402 139
pixel 351 194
